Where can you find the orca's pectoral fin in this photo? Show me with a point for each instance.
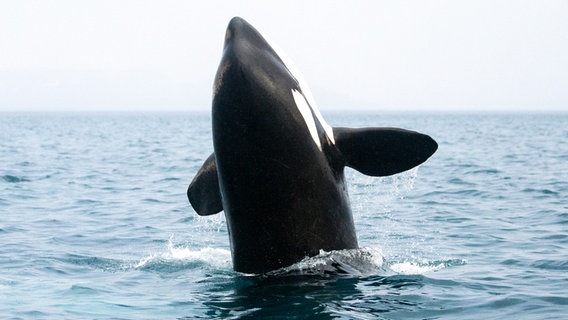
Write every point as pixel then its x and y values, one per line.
pixel 203 192
pixel 383 151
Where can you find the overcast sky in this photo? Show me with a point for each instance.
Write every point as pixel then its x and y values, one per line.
pixel 372 55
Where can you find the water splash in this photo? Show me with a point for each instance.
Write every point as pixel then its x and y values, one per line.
pixel 367 191
pixel 353 262
pixel 178 257
pixel 422 267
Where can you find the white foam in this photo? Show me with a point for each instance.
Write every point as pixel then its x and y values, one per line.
pixel 215 257
pixel 413 268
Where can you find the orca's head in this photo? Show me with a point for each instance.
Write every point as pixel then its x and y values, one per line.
pixel 256 81
pixel 239 30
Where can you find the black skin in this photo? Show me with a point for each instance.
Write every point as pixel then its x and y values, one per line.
pixel 283 196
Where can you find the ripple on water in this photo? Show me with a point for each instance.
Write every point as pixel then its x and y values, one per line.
pixel 14 179
pixel 105 264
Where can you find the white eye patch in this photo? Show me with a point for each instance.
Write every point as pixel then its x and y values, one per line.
pixel 304 99
pixel 306 112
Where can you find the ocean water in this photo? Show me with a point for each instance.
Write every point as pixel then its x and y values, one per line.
pixel 95 224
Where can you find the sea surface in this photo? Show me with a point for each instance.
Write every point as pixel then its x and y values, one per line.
pixel 95 224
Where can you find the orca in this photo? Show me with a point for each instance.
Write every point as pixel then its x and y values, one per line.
pixel 277 170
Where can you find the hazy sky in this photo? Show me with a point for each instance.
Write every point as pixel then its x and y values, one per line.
pixel 379 55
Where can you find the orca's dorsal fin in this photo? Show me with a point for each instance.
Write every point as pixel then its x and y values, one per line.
pixel 383 151
pixel 203 192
